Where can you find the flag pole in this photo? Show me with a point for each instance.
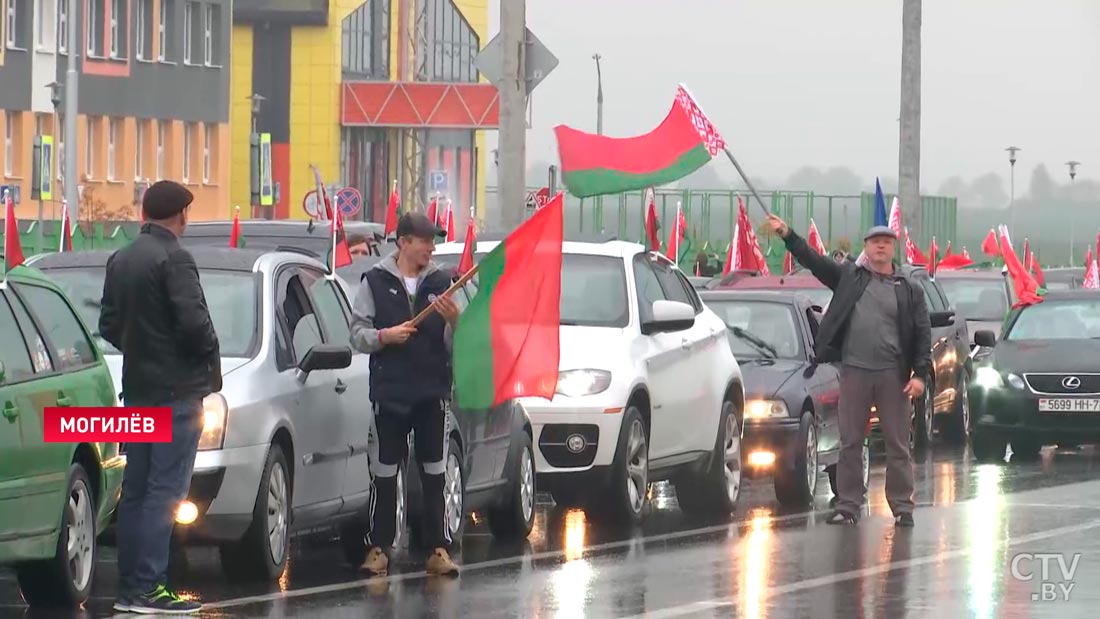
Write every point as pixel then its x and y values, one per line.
pixel 745 178
pixel 460 282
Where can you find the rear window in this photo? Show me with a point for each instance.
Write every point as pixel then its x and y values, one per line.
pixel 230 295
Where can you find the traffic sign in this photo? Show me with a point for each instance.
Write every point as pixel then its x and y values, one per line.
pixel 538 62
pixel 438 181
pixel 311 204
pixel 267 186
pixel 349 201
pixel 538 199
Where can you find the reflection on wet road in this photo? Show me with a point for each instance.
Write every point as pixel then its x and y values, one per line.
pixel 972 520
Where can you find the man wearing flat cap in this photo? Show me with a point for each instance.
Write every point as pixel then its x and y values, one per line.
pixel 877 327
pixel 154 312
pixel 410 382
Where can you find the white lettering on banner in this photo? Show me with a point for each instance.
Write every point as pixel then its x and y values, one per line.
pixel 67 425
pixel 135 424
pixel 148 425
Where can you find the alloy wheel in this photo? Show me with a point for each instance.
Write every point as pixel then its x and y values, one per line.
pixel 637 466
pixel 731 451
pixel 80 525
pixel 453 495
pixel 277 508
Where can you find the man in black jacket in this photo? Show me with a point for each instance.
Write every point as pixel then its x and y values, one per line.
pixel 410 380
pixel 154 311
pixel 877 327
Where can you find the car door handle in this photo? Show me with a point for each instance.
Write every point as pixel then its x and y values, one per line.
pixel 11 411
pixel 62 399
pixel 685 344
pixel 341 386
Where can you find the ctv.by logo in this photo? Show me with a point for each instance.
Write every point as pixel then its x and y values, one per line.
pixel 1050 590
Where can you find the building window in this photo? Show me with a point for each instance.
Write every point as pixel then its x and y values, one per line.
pixel 188 133
pixel 62 26
pixel 211 35
pixel 113 135
pixel 188 30
pixel 161 139
pixel 93 28
pixel 165 29
pixel 364 41
pixel 207 152
pixel 89 148
pixel 143 19
pixel 453 44
pixel 14 35
pixel 139 150
pixel 9 143
pixel 46 23
pixel 118 28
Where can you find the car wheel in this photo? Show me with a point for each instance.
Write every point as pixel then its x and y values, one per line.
pixel 261 554
pixel 925 417
pixel 454 493
pixel 1026 447
pixel 988 446
pixel 957 428
pixel 66 579
pixel 515 519
pixel 797 484
pixel 717 491
pixel 626 496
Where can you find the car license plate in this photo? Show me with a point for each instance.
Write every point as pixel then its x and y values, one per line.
pixel 1069 405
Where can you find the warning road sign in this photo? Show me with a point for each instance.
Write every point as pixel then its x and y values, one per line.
pixel 349 201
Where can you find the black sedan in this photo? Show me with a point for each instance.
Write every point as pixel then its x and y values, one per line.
pixel 791 429
pixel 1040 385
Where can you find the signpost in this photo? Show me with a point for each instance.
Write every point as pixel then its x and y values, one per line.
pixel 311 204
pixel 539 61
pixel 267 185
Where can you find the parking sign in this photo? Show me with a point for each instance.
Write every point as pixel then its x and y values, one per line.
pixel 438 181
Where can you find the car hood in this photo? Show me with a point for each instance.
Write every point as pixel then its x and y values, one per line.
pixel 598 348
pixel 114 364
pixel 764 377
pixel 1045 355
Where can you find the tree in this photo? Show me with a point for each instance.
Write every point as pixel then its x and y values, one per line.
pixel 93 209
pixel 705 177
pixel 1042 187
pixel 989 191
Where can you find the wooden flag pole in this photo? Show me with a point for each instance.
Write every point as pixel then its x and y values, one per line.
pixel 748 183
pixel 460 282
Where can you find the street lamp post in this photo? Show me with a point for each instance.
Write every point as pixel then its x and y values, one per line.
pixel 1012 150
pixel 72 198
pixel 599 127
pixel 55 99
pixel 1072 165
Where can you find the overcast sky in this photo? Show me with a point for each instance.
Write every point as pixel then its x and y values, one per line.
pixel 808 82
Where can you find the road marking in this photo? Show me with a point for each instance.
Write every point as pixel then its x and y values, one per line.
pixel 812 583
pixel 589 552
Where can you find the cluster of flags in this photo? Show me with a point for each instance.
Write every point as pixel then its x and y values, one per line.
pixel 1027 286
pixel 1092 267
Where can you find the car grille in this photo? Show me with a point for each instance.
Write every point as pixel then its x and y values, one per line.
pixel 552 444
pixel 1055 383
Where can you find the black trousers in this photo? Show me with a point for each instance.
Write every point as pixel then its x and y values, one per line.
pixel 427 420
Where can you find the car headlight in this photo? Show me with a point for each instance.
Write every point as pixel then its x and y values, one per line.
pixel 214 415
pixel 1016 381
pixel 575 383
pixel 765 409
pixel 988 378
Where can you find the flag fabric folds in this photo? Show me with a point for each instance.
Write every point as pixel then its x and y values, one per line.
pixel 13 249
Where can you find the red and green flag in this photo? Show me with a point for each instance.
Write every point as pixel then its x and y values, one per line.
pixel 594 165
pixel 13 249
pixel 391 211
pixel 66 243
pixel 506 344
pixel 236 239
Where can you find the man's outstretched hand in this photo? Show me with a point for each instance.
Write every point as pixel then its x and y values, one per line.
pixel 778 226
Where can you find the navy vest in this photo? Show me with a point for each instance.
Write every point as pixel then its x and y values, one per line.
pixel 419 369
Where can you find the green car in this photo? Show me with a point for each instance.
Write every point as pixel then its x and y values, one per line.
pixel 54 497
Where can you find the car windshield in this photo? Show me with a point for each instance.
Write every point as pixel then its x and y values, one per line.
pixel 230 295
pixel 977 298
pixel 1057 320
pixel 760 329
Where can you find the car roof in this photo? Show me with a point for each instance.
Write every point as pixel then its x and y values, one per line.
pixel 971 274
pixel 221 258
pixel 289 228
pixel 1073 294
pixel 28 273
pixel 791 296
pixel 768 282
pixel 617 249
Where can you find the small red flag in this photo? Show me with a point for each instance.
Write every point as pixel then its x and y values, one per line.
pixel 448 222
pixel 677 234
pixel 814 238
pixel 433 210
pixel 466 262
pixel 651 224
pixel 341 253
pixel 66 229
pixel 1024 284
pixel 13 249
pixel 391 212
pixel 235 232
pixel 788 263
pixel 1092 273
pixel 989 245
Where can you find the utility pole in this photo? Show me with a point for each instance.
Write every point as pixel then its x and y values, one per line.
pixel 1012 150
pixel 513 105
pixel 909 131
pixel 72 194
pixel 599 131
pixel 1072 165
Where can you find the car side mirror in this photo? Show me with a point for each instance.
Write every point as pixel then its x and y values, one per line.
pixel 669 316
pixel 942 319
pixel 985 338
pixel 324 357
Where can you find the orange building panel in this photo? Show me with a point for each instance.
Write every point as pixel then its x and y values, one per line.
pixel 419 104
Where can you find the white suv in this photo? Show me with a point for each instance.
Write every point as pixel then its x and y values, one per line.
pixel 648 387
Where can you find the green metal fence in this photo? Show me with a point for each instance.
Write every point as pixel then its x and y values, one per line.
pixel 88 235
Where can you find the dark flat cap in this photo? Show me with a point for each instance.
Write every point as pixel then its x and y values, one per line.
pixel 418 225
pixel 880 231
pixel 164 199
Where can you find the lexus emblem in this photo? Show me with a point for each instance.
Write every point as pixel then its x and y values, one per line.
pixel 1071 382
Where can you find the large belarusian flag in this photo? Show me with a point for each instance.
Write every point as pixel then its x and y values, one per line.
pixel 594 165
pixel 506 342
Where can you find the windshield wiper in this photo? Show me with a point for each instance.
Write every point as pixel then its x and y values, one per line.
pixel 755 340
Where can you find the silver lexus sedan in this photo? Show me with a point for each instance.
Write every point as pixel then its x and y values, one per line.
pixel 284 448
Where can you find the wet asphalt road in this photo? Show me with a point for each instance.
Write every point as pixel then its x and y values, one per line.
pixel 957 562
